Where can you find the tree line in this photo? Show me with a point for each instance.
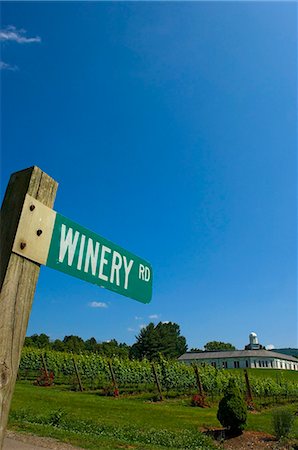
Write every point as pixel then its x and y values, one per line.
pixel 153 341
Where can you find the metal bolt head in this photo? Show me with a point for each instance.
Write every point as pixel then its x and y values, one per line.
pixel 22 245
pixel 32 207
pixel 39 232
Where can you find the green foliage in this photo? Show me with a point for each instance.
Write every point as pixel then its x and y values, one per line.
pixel 55 418
pixel 232 410
pixel 173 375
pixel 77 345
pixel 73 344
pixel 214 346
pixel 38 341
pixel 282 422
pixel 163 339
pixel 130 434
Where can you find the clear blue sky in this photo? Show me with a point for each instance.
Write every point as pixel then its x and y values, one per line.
pixel 171 129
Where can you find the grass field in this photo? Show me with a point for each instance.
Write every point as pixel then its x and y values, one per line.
pixel 92 421
pixel 275 374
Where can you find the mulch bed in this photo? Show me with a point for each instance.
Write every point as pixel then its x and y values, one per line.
pixel 248 440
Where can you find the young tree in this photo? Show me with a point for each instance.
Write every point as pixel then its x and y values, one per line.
pixel 232 409
pixel 162 339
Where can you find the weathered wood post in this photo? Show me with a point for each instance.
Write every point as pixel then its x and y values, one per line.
pixel 18 278
pixel 156 379
pixel 249 399
pixel 114 381
pixel 77 373
pixel 44 366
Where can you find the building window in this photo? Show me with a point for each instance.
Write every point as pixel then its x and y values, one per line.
pixel 266 363
pixel 213 364
pixel 236 364
pixel 246 364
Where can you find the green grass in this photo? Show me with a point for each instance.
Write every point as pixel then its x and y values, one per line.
pixel 92 421
pixel 275 374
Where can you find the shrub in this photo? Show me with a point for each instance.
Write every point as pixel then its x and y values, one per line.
pixel 282 422
pixel 198 400
pixel 232 410
pixel 56 417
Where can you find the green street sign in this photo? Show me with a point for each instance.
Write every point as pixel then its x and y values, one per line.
pixel 83 254
pixel 64 245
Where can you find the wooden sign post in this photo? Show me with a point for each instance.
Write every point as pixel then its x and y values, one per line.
pixel 18 278
pixel 33 234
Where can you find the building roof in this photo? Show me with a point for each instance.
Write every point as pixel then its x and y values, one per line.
pixel 236 354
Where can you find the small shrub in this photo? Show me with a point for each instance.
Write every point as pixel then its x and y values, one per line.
pixel 282 422
pixel 56 417
pixel 198 400
pixel 232 410
pixel 156 398
pixel 45 378
pixel 108 390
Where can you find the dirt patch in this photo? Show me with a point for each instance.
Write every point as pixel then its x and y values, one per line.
pixel 248 440
pixel 35 442
pixel 252 440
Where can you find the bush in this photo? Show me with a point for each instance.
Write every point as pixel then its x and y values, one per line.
pixel 232 410
pixel 198 400
pixel 282 422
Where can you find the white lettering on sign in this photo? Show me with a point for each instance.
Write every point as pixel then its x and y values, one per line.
pixel 92 257
pixel 144 273
pixel 127 269
pixel 103 262
pixel 116 266
pixel 80 259
pixel 67 244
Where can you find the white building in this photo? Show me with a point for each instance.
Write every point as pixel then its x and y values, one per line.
pixel 255 356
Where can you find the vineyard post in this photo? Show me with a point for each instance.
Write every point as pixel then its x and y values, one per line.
pixel 116 390
pixel 18 278
pixel 157 381
pixel 249 399
pixel 198 380
pixel 77 374
pixel 44 365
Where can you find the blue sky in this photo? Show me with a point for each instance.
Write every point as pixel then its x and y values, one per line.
pixel 171 129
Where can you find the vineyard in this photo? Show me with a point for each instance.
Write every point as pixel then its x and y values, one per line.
pixel 96 372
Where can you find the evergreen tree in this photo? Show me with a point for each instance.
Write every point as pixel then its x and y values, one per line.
pixel 163 339
pixel 232 409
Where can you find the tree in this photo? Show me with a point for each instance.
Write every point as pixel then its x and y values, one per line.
pixel 37 340
pixel 58 345
pixel 163 339
pixel 232 409
pixel 73 344
pixel 91 345
pixel 218 346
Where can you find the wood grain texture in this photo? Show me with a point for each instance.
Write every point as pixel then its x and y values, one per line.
pixel 18 279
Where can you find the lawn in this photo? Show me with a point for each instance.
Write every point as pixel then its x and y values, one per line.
pixel 275 374
pixel 92 421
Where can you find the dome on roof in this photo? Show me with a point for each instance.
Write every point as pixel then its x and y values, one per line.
pixel 253 339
